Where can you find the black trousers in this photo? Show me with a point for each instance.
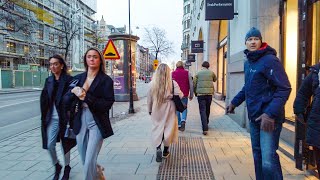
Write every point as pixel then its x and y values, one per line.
pixel 204 108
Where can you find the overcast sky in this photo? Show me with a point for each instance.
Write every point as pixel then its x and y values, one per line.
pixel 166 14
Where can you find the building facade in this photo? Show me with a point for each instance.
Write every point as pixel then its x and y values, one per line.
pixel 291 27
pixel 208 32
pixel 31 31
pixel 186 23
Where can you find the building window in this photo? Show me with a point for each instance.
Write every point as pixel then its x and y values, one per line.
pixel 202 3
pixel 188 8
pixel 41 51
pixel 10 5
pixel 11 47
pixel 198 16
pixel 10 25
pixel 40 31
pixel 51 4
pixel 25 31
pixel 60 40
pixel 51 37
pixel 26 49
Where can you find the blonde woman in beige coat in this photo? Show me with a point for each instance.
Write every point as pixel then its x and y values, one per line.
pixel 162 110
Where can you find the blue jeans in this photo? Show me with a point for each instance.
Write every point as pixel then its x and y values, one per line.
pixel 204 108
pixel 183 116
pixel 264 149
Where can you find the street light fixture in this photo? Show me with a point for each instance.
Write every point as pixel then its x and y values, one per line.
pixel 131 109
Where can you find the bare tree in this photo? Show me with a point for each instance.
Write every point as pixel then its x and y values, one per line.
pixel 97 36
pixel 157 41
pixel 69 27
pixel 13 21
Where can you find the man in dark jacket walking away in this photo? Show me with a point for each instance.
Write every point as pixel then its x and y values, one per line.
pixel 266 91
pixel 310 88
pixel 204 89
pixel 184 80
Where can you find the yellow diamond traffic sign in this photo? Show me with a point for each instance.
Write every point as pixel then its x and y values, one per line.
pixel 155 64
pixel 110 51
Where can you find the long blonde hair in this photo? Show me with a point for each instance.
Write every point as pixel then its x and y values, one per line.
pixel 161 83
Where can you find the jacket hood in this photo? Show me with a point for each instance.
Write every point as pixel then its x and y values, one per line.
pixel 265 49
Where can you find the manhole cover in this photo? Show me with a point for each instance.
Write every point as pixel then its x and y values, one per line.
pixel 188 160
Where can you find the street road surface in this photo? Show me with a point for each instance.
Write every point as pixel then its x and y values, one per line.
pixel 17 107
pixel 20 112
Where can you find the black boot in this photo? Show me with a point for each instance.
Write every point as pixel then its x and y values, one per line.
pixel 66 173
pixel 57 172
pixel 166 152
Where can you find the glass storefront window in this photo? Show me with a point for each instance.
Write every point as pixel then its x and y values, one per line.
pixel 316 33
pixel 291 52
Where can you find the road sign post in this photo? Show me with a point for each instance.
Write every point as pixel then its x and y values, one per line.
pixel 110 53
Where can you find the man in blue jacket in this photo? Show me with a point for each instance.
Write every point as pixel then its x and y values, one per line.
pixel 265 91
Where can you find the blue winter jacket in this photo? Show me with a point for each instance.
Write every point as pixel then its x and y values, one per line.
pixel 266 87
pixel 310 87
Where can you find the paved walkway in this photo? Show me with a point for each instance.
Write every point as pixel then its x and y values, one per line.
pixel 129 154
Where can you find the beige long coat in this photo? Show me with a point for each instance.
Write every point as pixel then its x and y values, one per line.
pixel 164 118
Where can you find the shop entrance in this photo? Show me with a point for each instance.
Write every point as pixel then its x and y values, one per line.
pixel 308 55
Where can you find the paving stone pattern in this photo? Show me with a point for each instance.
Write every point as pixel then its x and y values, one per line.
pixel 129 155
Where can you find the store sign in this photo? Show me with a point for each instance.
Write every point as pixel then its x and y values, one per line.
pixel 219 9
pixel 196 46
pixel 191 58
pixel 188 63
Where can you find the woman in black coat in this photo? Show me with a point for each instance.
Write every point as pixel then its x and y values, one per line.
pixel 310 88
pixel 89 104
pixel 52 124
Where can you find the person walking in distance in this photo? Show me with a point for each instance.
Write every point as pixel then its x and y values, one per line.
pixel 162 109
pixel 204 89
pixel 52 124
pixel 89 103
pixel 265 91
pixel 310 87
pixel 184 80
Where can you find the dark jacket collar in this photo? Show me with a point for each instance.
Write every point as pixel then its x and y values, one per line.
pixel 95 82
pixel 62 82
pixel 264 50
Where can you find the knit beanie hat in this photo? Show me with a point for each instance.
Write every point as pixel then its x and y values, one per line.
pixel 253 32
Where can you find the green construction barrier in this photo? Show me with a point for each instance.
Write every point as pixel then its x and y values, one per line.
pixel 44 75
pixel 36 75
pixel 27 78
pixel 7 79
pixel 18 78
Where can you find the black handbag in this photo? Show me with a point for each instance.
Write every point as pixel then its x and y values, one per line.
pixel 74 109
pixel 177 101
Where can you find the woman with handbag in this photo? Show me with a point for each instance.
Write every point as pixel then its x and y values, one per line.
pixel 89 103
pixel 52 124
pixel 162 109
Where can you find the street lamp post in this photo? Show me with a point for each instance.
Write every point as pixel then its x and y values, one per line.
pixel 131 109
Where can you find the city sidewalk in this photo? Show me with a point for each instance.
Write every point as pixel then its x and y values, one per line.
pixel 129 155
